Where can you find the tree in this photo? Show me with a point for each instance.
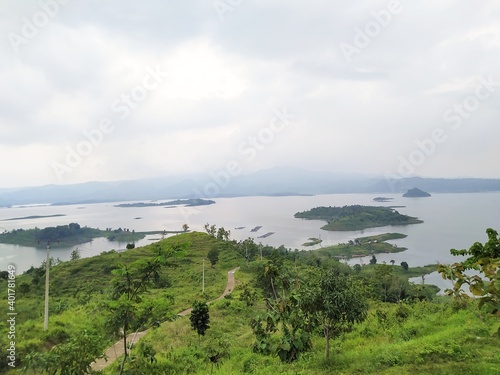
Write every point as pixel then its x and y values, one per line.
pixel 200 319
pixel 130 246
pixel 217 349
pixel 75 254
pixel 392 262
pixel 485 259
pixel 373 260
pixel 70 358
pixel 129 283
pixel 213 256
pixel 404 265
pixel 185 227
pixel 334 302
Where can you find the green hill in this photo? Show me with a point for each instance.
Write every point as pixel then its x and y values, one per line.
pixel 407 330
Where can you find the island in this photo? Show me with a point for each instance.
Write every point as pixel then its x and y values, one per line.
pixel 382 199
pixel 33 217
pixel 312 241
pixel 416 193
pixel 357 217
pixel 363 246
pixel 70 235
pixel 184 202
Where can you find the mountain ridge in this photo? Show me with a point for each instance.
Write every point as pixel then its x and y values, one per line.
pixel 269 182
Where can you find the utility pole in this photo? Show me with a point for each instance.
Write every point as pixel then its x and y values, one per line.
pixel 203 278
pixel 260 248
pixel 47 270
pixel 246 253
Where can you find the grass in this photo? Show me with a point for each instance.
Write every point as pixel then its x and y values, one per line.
pixel 402 338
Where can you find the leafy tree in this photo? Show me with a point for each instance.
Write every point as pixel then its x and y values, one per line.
pixel 185 227
pixel 217 349
pixel 75 254
pixel 130 246
pixel 200 319
pixel 373 260
pixel 404 265
pixel 210 229
pixel 334 302
pixel 213 256
pixel 129 283
pixel 71 358
pixel 486 260
pixel 392 262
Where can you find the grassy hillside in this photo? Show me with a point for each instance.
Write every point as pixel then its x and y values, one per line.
pixel 412 336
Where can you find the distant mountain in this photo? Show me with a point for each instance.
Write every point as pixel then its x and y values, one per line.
pixel 270 182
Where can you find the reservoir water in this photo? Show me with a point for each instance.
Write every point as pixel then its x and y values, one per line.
pixel 450 221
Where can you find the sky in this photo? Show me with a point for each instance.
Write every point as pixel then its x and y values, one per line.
pixel 112 90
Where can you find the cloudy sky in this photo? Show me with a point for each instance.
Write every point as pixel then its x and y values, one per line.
pixel 109 90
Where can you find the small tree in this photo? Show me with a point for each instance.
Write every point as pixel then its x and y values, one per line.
pixel 130 246
pixel 217 349
pixel 185 227
pixel 333 302
pixel 404 265
pixel 485 259
pixel 75 254
pixel 373 260
pixel 200 319
pixel 213 256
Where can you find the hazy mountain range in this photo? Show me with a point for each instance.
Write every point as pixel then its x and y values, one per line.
pixel 271 182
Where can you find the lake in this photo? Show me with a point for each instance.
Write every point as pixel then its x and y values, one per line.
pixel 450 221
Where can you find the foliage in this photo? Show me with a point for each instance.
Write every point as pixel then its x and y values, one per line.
pixel 71 358
pixel 334 302
pixel 484 259
pixel 213 256
pixel 404 265
pixel 217 350
pixel 200 318
pixel 357 217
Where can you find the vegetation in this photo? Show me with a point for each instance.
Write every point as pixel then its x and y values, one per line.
pixel 186 202
pixel 200 319
pixel 350 218
pixel 364 246
pixel 279 320
pixel 70 235
pixel 486 260
pixel 312 242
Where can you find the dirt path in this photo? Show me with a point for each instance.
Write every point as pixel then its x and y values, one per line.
pixel 117 350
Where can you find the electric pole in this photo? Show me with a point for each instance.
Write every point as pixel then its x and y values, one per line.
pixel 203 278
pixel 47 270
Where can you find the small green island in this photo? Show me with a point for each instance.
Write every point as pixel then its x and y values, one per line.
pixel 357 217
pixel 313 241
pixel 364 246
pixel 33 217
pixel 70 235
pixel 416 193
pixel 177 202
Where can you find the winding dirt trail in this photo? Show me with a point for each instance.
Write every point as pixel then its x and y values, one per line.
pixel 117 350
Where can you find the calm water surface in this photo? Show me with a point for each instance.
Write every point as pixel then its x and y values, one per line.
pixel 450 221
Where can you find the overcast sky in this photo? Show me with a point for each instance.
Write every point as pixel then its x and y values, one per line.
pixel 165 87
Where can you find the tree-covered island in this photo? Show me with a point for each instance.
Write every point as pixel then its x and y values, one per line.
pixel 357 217
pixel 185 202
pixel 70 235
